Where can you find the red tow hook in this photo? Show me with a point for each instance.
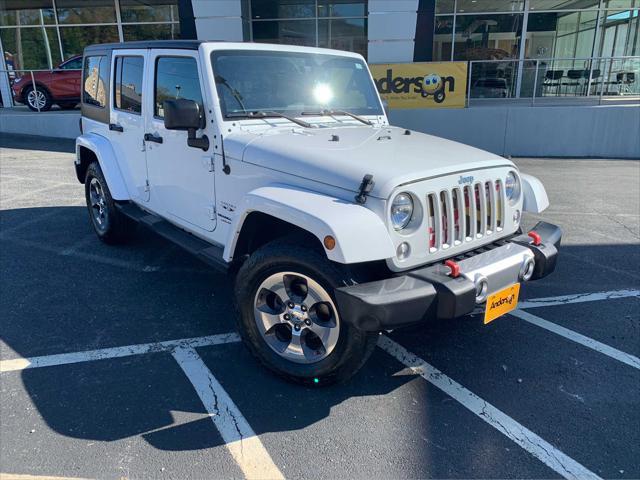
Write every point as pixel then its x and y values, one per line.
pixel 537 240
pixel 455 268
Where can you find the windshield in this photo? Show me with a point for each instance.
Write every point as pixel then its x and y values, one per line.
pixel 292 83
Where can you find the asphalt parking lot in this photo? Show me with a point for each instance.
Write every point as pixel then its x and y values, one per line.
pixel 123 362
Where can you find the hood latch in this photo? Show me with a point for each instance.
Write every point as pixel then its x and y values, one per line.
pixel 365 188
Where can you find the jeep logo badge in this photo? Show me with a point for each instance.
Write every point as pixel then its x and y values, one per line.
pixel 464 180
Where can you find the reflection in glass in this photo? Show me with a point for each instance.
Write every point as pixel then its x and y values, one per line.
pixel 74 39
pixel 292 82
pixel 442 38
pixel 342 8
pixel 444 6
pixel 272 9
pixel 149 10
pixel 30 48
pixel 538 5
pixel 86 11
pixel 487 37
pixel 167 31
pixel 473 6
pixel 21 12
pixel 176 77
pixel 291 32
pixel 128 83
pixel 349 34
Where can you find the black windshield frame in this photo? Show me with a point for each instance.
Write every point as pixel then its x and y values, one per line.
pixel 366 87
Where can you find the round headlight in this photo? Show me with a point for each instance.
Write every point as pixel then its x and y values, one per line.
pixel 401 210
pixel 512 187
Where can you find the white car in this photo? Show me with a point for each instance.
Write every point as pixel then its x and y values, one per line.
pixel 278 165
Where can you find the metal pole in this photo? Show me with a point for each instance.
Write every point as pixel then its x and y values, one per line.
pixel 535 82
pixel 469 84
pixel 35 92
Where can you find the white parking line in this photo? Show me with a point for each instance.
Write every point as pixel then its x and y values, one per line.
pixel 34 192
pixel 614 353
pixel 240 439
pixel 525 438
pixel 115 352
pixel 578 298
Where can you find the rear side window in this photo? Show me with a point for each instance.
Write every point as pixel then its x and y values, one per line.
pixel 94 86
pixel 127 84
pixel 176 77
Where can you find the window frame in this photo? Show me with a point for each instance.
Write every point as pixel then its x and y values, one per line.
pixel 116 83
pixel 155 80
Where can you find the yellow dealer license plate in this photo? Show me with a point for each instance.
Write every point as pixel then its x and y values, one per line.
pixel 501 303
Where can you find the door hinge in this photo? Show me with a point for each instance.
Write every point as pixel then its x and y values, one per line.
pixel 146 186
pixel 143 147
pixel 209 163
pixel 212 212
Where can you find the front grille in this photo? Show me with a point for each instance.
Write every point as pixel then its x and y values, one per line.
pixel 465 214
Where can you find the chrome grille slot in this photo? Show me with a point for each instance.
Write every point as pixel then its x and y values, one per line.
pixel 464 214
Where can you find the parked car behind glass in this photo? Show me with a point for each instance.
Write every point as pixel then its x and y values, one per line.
pixel 489 88
pixel 60 86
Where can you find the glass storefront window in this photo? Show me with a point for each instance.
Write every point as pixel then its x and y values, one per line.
pixel 487 37
pixel 348 34
pixel 74 39
pixel 152 31
pixel 272 9
pixel 26 12
pixel 342 8
pixel 539 5
pixel 86 11
pixel 149 10
pixel 445 6
pixel 473 6
pixel 30 48
pixel 443 38
pixel 291 32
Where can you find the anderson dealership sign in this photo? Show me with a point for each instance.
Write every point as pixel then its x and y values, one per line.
pixel 422 85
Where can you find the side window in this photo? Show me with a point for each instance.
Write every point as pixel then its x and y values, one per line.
pixel 75 64
pixel 94 92
pixel 127 84
pixel 176 77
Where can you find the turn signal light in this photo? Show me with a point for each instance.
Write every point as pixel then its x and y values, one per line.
pixel 329 242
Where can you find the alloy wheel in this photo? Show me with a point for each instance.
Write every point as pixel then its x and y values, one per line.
pixel 296 317
pixel 36 99
pixel 98 204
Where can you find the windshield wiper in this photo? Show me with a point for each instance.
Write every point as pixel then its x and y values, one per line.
pixel 331 113
pixel 267 114
pixel 235 93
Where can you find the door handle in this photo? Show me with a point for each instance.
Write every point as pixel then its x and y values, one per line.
pixel 115 127
pixel 149 137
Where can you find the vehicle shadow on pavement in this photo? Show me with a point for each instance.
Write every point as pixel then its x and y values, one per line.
pixel 32 142
pixel 68 292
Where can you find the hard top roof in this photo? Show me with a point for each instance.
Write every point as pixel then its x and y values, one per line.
pixel 181 44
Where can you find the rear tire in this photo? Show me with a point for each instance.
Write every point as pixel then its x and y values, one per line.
pixel 313 345
pixel 37 98
pixel 111 225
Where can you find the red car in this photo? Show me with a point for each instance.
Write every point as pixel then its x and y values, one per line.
pixel 61 86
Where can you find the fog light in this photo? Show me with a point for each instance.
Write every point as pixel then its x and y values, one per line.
pixel 516 217
pixel 526 271
pixel 403 251
pixel 482 285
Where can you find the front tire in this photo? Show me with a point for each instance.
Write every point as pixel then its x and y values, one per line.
pixel 287 315
pixel 108 222
pixel 37 99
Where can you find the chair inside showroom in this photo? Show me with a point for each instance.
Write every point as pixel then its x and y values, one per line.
pixel 552 81
pixel 574 81
pixel 625 81
pixel 593 84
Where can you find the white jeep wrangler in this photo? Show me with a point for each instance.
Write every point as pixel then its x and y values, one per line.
pixel 277 163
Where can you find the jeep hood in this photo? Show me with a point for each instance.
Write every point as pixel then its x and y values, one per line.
pixel 341 156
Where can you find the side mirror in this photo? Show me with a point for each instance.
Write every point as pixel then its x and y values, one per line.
pixel 183 114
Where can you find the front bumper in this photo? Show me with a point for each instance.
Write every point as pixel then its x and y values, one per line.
pixel 432 292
